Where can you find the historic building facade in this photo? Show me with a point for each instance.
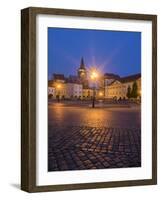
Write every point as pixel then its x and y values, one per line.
pixel 71 87
pixel 119 87
pixel 58 85
pixel 109 86
pixel 74 90
pixel 87 93
pixel 104 81
pixel 51 91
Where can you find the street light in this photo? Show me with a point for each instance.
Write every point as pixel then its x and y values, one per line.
pixel 100 94
pixel 58 86
pixel 94 76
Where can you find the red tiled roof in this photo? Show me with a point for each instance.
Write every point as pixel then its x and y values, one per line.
pixel 112 76
pixel 127 79
pixel 59 76
pixel 130 78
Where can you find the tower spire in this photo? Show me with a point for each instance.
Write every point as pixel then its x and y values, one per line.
pixel 82 73
pixel 82 66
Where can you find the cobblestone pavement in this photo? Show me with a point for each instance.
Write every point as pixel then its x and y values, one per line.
pixel 104 139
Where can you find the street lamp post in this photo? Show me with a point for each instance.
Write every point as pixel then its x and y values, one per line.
pixel 94 77
pixel 93 99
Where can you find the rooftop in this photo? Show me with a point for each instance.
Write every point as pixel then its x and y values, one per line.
pixel 111 76
pixel 58 76
pixel 127 79
pixel 130 78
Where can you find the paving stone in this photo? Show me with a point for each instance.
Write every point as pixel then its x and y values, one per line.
pixel 78 147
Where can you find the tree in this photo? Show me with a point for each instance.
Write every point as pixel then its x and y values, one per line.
pixel 134 92
pixel 128 92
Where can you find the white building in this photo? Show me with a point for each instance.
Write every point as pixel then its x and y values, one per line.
pixel 51 92
pixel 74 90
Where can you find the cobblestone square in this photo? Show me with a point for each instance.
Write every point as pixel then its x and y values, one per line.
pixel 84 138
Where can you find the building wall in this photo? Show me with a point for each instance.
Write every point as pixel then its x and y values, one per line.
pixel 139 86
pixel 73 90
pixel 51 91
pixel 108 81
pixel 102 83
pixel 61 92
pixel 100 93
pixel 119 90
pixel 87 93
pixel 65 90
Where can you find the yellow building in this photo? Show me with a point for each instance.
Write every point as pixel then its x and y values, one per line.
pixel 87 93
pixel 58 90
pixel 65 88
pixel 111 86
pixel 118 88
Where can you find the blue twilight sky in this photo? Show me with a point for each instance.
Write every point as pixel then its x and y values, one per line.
pixel 112 51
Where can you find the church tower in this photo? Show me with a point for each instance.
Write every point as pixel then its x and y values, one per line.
pixel 82 73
